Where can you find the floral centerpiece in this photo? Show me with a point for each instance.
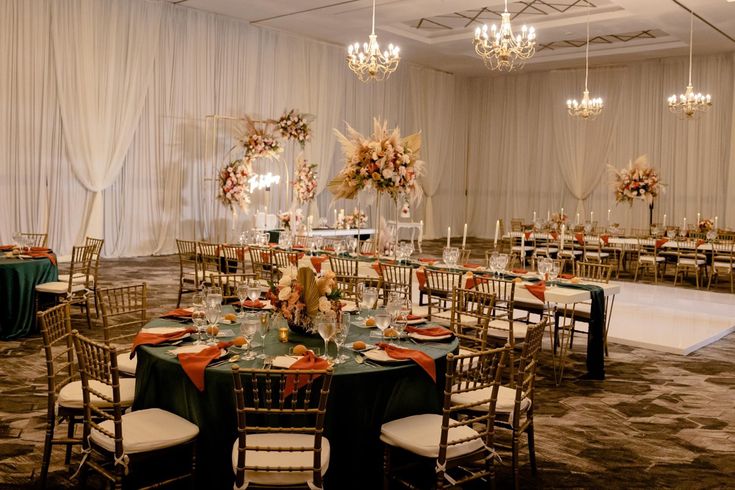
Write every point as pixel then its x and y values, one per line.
pixel 637 181
pixel 357 219
pixel 558 219
pixel 384 161
pixel 234 184
pixel 300 296
pixel 305 182
pixel 706 225
pixel 258 143
pixel 294 125
pixel 286 217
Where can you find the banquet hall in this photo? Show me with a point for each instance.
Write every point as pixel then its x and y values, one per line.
pixel 367 244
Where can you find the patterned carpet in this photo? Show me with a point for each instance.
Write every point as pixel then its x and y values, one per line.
pixel 658 420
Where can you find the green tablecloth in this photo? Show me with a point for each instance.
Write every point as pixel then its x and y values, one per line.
pixel 361 399
pixel 18 280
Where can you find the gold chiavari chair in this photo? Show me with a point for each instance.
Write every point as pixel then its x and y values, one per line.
pixel 283 259
pixel 190 275
pixel 688 258
pixel 114 442
pixel 124 313
pixel 463 451
pixel 516 224
pixel 723 261
pixel 301 241
pixel 346 272
pixel 75 292
pixel 368 246
pixel 546 248
pixel 592 250
pixel 521 249
pixel 590 272
pixel 471 313
pixel 440 284
pixel 261 259
pixel 648 259
pixel 235 258
pixel 39 239
pixel 229 283
pixel 291 452
pixel 95 249
pixel 568 251
pixel 209 259
pixel 396 278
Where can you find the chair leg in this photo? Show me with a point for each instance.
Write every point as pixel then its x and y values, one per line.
pixel 386 467
pixel 86 311
pixel 178 302
pixel 514 460
pixel 531 448
pixel 637 266
pixel 50 426
pixel 71 423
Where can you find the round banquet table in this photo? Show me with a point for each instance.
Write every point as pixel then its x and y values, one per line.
pixel 361 399
pixel 18 280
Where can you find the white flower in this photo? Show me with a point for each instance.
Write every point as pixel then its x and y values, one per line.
pixel 284 293
pixel 324 305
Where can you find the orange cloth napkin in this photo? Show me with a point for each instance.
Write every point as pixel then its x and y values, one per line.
pixel 253 304
pixel 519 271
pixel 579 237
pixel 177 313
pixel 308 361
pixel 699 242
pixel 42 253
pixel 145 338
pixel 605 239
pixel 429 331
pixel 527 234
pixel 554 235
pixel 567 276
pixel 195 364
pixel 471 266
pixel 538 290
pixel 474 281
pixel 295 260
pixel 6 248
pixel 415 317
pixel 265 256
pixel 329 249
pixel 317 263
pixel 428 260
pixel 423 360
pixel 660 242
pixel 421 277
pixel 367 254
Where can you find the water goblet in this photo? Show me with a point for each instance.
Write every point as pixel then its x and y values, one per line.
pixel 248 327
pixel 404 310
pixel 340 337
pixel 382 321
pixel 326 327
pixel 213 312
pixel 263 329
pixel 242 295
pixel 199 317
pixel 253 290
pixel 198 300
pixel 369 297
pixel 553 272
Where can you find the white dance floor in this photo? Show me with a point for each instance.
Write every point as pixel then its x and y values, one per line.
pixel 663 318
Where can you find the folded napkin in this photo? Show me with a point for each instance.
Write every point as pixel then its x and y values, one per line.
pixel 605 239
pixel 579 237
pixel 317 262
pixel 194 364
pixel 699 242
pixel 660 242
pixel 423 360
pixel 554 235
pixel 538 290
pixel 265 256
pixel 421 277
pixel 295 260
pixel 6 248
pixel 527 234
pixel 146 338
pixel 567 276
pixel 177 313
pixel 471 266
pixel 474 281
pixel 428 260
pixel 329 249
pixel 42 253
pixel 367 254
pixel 253 304
pixel 430 331
pixel 415 317
pixel 307 362
pixel 519 271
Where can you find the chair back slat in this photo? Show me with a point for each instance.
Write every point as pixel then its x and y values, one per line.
pixel 594 271
pixel 396 278
pixel 124 312
pixel 58 347
pixel 471 313
pixel 235 257
pixel 229 283
pixel 39 239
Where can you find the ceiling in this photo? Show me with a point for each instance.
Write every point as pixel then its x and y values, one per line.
pixel 438 33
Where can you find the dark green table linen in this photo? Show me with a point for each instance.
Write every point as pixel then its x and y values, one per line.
pixel 18 280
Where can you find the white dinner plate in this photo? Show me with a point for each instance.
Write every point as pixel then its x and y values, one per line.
pixel 193 349
pixel 430 338
pixel 379 355
pixel 163 330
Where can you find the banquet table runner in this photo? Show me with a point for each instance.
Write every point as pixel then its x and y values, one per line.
pixel 596 336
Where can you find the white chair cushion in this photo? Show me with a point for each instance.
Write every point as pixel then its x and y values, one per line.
pixel 568 253
pixel 70 396
pixel 692 261
pixel 473 364
pixel 78 277
pixel 499 329
pixel 125 364
pixel 420 435
pixel 505 403
pixel 518 248
pixel 726 265
pixel 58 287
pixel 147 430
pixel 281 459
pixel 650 258
pixel 598 254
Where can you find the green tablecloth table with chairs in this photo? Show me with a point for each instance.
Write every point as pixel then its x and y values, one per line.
pixel 362 398
pixel 18 280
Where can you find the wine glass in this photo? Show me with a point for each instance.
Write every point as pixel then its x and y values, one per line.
pixel 242 295
pixel 503 260
pixel 352 244
pixel 214 296
pixel 199 317
pixel 263 329
pixel 197 300
pixel 404 310
pixel 253 290
pixel 248 327
pixel 382 321
pixel 369 297
pixel 213 312
pixel 409 249
pixel 327 328
pixel 340 336
pixel 544 265
pixel 553 272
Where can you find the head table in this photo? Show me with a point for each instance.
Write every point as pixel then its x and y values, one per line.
pixel 362 398
pixel 18 281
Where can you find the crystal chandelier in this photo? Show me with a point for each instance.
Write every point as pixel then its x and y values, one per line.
pixel 587 108
pixel 369 63
pixel 688 103
pixel 500 49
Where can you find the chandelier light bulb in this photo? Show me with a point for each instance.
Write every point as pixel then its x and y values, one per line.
pixel 501 49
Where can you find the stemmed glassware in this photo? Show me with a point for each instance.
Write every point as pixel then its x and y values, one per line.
pixel 382 321
pixel 263 329
pixel 213 312
pixel 214 296
pixel 242 295
pixel 367 297
pixel 544 266
pixel 404 310
pixel 352 245
pixel 503 260
pixel 253 290
pixel 199 317
pixel 248 327
pixel 450 255
pixel 553 272
pixel 327 328
pixel 340 337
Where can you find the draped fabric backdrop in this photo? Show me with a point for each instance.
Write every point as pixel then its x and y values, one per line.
pixel 131 129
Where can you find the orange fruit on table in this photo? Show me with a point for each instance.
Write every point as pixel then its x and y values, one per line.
pixel 299 350
pixel 358 345
pixel 370 322
pixel 231 317
pixel 212 330
pixel 239 341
